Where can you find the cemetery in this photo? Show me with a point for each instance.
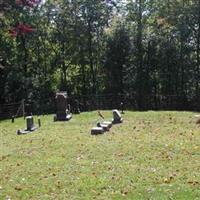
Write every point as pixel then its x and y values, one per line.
pixel 145 156
pixel 99 99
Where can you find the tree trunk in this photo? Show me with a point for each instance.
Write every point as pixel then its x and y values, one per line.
pixel 91 56
pixel 139 84
pixel 198 52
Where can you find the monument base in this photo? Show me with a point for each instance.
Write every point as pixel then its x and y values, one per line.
pixel 23 132
pixel 106 127
pixel 97 131
pixel 107 123
pixel 63 118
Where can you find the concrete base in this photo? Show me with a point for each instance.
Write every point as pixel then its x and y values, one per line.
pixel 97 131
pixel 65 118
pixel 23 132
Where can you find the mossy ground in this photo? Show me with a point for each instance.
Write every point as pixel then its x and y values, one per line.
pixel 151 155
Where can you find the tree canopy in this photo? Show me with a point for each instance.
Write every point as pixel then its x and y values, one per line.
pixel 148 49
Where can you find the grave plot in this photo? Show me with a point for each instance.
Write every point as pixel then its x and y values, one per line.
pixel 30 127
pixel 106 125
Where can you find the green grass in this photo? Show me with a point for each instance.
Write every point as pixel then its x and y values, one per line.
pixel 152 155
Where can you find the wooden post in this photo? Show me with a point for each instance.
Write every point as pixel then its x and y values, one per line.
pixel 13 119
pixel 39 122
pixel 122 107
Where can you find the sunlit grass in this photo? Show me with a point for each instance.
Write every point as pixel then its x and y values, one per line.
pixel 152 155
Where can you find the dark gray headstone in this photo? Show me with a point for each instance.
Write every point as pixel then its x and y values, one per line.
pixel 29 126
pixel 29 123
pixel 62 113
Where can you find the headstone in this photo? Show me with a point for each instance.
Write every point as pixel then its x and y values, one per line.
pixel 117 118
pixel 97 131
pixel 29 123
pixel 62 113
pixel 29 126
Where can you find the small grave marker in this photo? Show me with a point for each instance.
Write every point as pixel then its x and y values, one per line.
pixel 97 131
pixel 117 118
pixel 29 123
pixel 29 126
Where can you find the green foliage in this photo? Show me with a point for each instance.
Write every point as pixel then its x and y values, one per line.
pixel 117 55
pixel 137 47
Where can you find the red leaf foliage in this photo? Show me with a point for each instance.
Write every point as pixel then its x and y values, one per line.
pixel 20 29
pixel 30 3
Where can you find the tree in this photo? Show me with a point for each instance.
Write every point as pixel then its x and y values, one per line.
pixel 116 59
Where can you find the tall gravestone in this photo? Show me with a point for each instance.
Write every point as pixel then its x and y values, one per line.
pixel 62 113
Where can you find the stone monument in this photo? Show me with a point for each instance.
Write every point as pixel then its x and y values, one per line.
pixel 29 123
pixel 117 118
pixel 62 112
pixel 29 126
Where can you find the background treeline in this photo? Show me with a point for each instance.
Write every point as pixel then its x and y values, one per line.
pixel 145 51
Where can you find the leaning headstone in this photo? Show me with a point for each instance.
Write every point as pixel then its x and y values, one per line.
pixel 117 118
pixel 97 131
pixel 62 113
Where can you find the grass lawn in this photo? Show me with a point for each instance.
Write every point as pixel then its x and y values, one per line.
pixel 152 155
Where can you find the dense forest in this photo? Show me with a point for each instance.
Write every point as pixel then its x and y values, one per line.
pixel 145 51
